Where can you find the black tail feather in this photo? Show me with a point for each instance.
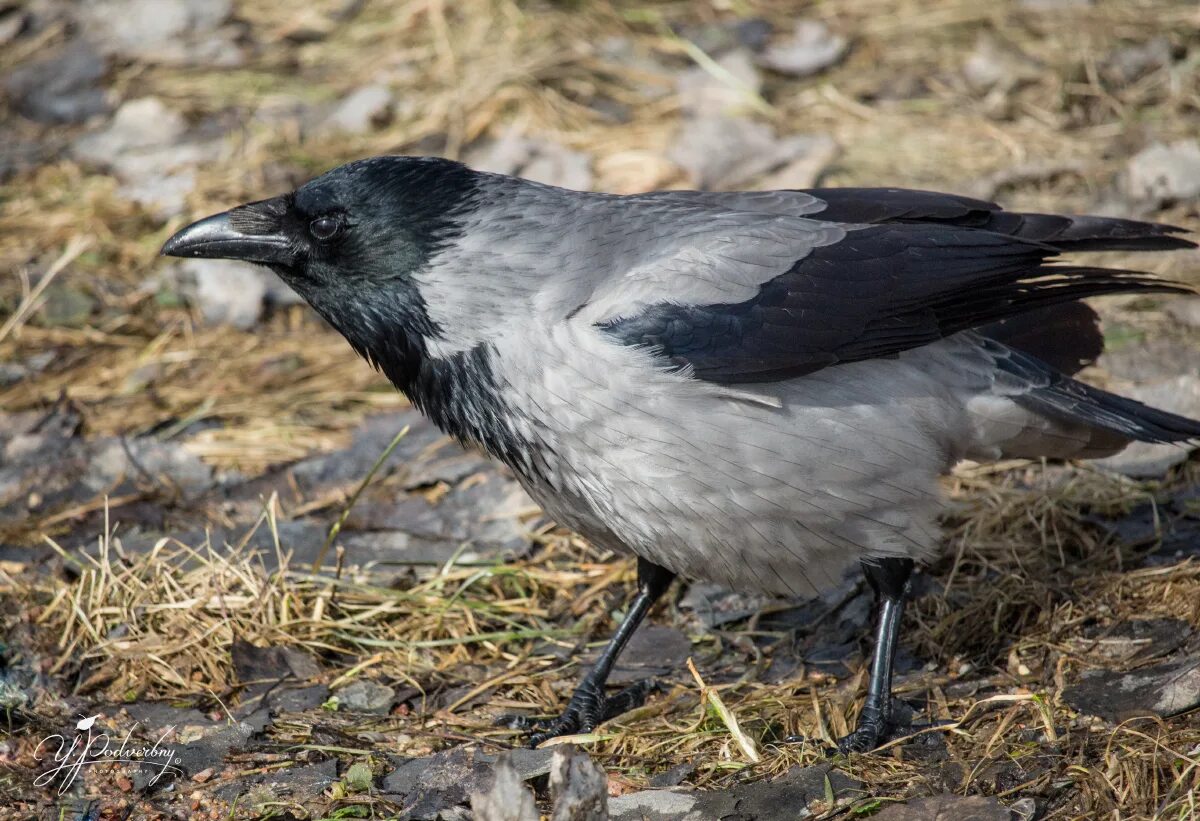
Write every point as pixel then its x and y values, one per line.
pixel 1073 400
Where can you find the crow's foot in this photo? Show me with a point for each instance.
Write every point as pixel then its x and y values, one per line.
pixel 587 708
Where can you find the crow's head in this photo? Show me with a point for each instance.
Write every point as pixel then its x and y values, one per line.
pixel 349 241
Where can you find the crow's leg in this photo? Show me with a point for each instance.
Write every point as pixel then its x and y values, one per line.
pixel 589 706
pixel 889 579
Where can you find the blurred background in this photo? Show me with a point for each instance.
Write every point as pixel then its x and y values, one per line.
pixel 124 119
pixel 152 406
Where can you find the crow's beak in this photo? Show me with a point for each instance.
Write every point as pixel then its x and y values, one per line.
pixel 216 237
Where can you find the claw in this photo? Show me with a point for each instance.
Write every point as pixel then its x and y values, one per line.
pixel 584 712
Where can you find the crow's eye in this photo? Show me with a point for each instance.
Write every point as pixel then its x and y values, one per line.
pixel 325 228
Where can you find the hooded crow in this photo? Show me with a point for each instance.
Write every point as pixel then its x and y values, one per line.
pixel 758 389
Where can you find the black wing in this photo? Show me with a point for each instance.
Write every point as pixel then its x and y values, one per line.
pixel 881 290
pixel 1073 233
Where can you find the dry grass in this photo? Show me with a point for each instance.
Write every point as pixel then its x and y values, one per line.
pixel 1024 569
pixel 160 625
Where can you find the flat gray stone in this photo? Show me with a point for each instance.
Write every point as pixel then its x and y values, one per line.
pixel 1165 172
pixel 1161 690
pixel 366 696
pixel 759 801
pixel 61 87
pixel 537 159
pixel 654 650
pixel 172 32
pixel 810 48
pixel 227 292
pixel 364 109
pixel 946 808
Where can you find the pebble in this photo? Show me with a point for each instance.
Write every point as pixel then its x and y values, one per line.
pixel 1164 173
pixel 364 110
pixel 810 49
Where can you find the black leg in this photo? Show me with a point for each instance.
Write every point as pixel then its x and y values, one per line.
pixel 889 579
pixel 589 706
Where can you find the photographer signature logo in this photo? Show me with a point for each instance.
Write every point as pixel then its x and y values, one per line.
pixel 86 747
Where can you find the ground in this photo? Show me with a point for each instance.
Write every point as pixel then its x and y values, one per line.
pixel 181 442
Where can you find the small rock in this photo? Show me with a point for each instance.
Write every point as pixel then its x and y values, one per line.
pixel 226 291
pixel 1130 63
pixel 579 787
pixel 946 808
pixel 365 109
pixel 270 664
pixel 145 460
pixel 653 650
pixel 204 775
pixel 61 87
pixel 1161 690
pixel 173 32
pixel 66 307
pixel 1185 310
pixel 1165 173
pixel 728 152
pixel 539 160
pixel 811 48
pixel 144 147
pixel 138 125
pixel 718 38
pixel 703 94
pixel 714 606
pixel 990 66
pixel 366 696
pixel 652 805
pixel 1142 459
pixel 507 799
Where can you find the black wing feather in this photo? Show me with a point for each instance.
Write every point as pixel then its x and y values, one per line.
pixel 881 290
pixel 883 205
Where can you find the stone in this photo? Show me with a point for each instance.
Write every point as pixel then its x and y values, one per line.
pixel 507 799
pixel 227 292
pixel 654 650
pixel 146 460
pixel 1132 62
pixel 172 32
pixel 366 696
pixel 62 86
pixel 1165 173
pixel 66 306
pixel 810 49
pixel 946 808
pixel 579 787
pixel 654 805
pixel 253 664
pixel 1180 395
pixel 140 124
pixel 540 160
pixel 1161 690
pixel 720 152
pixel 757 801
pixel 1185 310
pixel 363 110
pixel 991 66
pixel 714 606
pixel 145 148
pixel 703 94
pixel 426 787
